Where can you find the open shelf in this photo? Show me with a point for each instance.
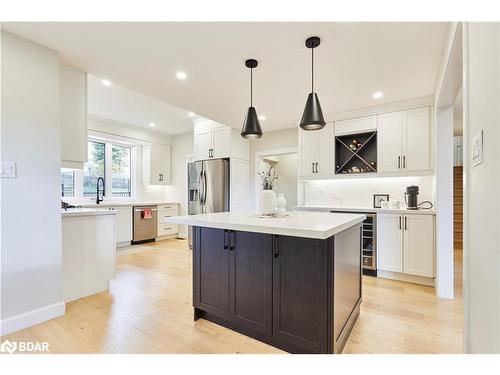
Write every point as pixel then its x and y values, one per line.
pixel 351 158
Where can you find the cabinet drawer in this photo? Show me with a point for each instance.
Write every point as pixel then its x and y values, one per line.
pixel 168 207
pixel 162 215
pixel 164 229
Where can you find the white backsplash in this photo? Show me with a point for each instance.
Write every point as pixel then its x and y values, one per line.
pixel 358 192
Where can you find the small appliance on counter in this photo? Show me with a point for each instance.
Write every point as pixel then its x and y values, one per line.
pixel 411 199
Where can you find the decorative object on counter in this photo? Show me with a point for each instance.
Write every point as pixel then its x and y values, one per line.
pixel 251 126
pixel 267 196
pixel 65 206
pixel 281 205
pixel 394 205
pixel 378 199
pixel 349 152
pixel 385 205
pixel 312 118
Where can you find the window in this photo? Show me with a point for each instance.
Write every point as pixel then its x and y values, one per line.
pixel 120 171
pixel 94 168
pixel 67 182
pixel 113 161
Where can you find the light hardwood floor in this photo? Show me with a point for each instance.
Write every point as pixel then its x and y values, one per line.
pixel 148 310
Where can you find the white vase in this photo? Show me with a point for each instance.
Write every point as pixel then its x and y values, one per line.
pixel 267 202
pixel 281 204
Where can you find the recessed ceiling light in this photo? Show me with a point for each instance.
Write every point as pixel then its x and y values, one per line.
pixel 191 114
pixel 262 117
pixel 152 124
pixel 106 82
pixel 181 75
pixel 378 95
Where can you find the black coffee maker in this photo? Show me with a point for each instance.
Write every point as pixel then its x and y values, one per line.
pixel 411 197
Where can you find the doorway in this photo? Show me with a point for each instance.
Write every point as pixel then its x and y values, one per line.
pixel 285 163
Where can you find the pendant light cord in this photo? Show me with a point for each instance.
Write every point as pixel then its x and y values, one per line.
pixel 251 87
pixel 312 70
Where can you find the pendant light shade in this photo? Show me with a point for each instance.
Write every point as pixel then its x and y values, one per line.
pixel 251 126
pixel 312 118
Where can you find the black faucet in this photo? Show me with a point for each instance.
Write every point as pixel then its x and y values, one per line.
pixel 101 198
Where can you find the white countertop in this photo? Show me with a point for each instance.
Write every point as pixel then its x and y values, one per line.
pixel 318 225
pixel 364 209
pixel 87 212
pixel 120 204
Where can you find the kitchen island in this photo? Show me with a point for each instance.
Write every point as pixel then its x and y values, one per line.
pixel 292 282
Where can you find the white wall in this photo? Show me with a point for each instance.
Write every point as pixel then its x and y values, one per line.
pixel 182 146
pixel 30 204
pixel 482 199
pixel 279 139
pixel 358 192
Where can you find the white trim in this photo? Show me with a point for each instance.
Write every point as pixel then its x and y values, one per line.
pixel 258 158
pixel 31 318
pixel 405 277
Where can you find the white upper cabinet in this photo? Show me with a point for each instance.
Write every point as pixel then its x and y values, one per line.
pixel 215 141
pixel 157 168
pixel 73 101
pixel 389 135
pixel 404 141
pixel 419 245
pixel 416 140
pixel 316 148
pixel 356 125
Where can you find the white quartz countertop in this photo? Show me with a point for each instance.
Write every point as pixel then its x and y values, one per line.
pixel 122 204
pixel 364 209
pixel 318 225
pixel 87 212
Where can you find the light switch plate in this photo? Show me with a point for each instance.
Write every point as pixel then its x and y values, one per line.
pixel 8 169
pixel 477 148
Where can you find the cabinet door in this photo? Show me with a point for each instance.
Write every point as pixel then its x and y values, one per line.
pixel 211 262
pixel 160 168
pixel 389 135
pixel 419 245
pixel 123 224
pixel 390 242
pixel 325 151
pixel 308 151
pixel 300 307
pixel 221 142
pixel 416 140
pixel 239 185
pixel 250 282
pixel 202 144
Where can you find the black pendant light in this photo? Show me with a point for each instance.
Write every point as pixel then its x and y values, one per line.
pixel 251 126
pixel 312 118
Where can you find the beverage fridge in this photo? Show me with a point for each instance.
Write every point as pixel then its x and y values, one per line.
pixel 208 188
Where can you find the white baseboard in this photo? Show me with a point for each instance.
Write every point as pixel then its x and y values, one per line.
pixel 31 318
pixel 429 281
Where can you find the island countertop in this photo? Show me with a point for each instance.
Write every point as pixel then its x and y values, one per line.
pixel 319 225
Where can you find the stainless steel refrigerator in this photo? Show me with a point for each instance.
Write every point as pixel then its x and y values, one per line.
pixel 208 188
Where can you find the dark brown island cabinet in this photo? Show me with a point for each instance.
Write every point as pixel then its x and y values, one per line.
pixel 298 294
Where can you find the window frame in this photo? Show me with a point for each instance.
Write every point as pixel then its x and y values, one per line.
pixel 108 171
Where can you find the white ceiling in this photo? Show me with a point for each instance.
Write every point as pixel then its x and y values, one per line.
pixel 353 61
pixel 125 105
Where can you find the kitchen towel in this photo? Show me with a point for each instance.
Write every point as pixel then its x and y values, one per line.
pixel 147 213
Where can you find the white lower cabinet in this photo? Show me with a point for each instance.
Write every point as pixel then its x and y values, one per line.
pixel 165 211
pixel 123 224
pixel 405 243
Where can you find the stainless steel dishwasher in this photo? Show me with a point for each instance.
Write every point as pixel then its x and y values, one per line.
pixel 145 228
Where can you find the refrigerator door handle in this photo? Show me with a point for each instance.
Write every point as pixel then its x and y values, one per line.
pixel 204 187
pixel 200 184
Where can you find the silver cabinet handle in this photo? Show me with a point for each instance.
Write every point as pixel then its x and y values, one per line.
pixel 400 223
pixel 406 227
pixel 316 167
pixel 399 162
pixel 312 166
pixel 404 161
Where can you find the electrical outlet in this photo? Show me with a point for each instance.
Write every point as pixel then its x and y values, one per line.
pixel 8 169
